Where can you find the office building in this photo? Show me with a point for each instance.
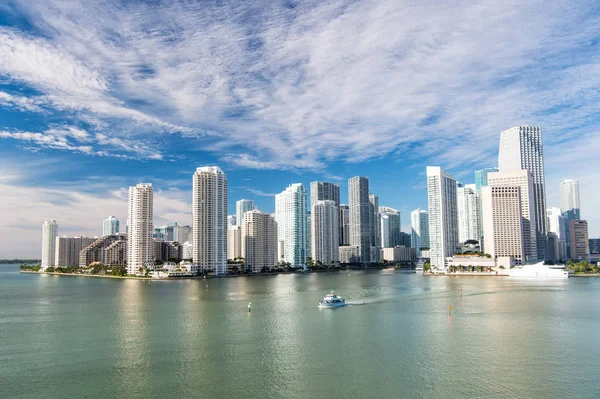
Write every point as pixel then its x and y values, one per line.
pixel 290 210
pixel 49 233
pixel 259 241
pixel 169 232
pixel 389 227
pixel 469 218
pixel 322 191
pixel 242 206
pixel 558 225
pixel 375 223
pixel 167 251
pixel 594 244
pixel 344 225
pixel 552 248
pixel 68 250
pixel 419 223
pixel 522 179
pixel 360 216
pixel 209 213
pixel 443 223
pixel 481 179
pixel 110 226
pixel 325 232
pixel 580 244
pixel 184 234
pixel 231 220
pixel 503 222
pixel 521 148
pixel 569 199
pixel 234 242
pixel 139 243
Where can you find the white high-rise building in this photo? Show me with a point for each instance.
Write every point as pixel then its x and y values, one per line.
pixel 360 217
pixel 502 221
pixel 375 223
pixel 419 223
pixel 49 233
pixel 325 232
pixel 469 218
pixel 242 206
pixel 521 148
pixel 110 226
pixel 443 223
pixel 569 199
pixel 390 227
pixel 209 214
pixel 290 211
pixel 68 249
pixel 259 241
pixel 140 245
pixel 557 224
pixel 521 178
pixel 234 242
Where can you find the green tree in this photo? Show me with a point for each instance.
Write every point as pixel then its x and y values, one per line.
pixel 427 267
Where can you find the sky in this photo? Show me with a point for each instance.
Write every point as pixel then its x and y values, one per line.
pixel 96 96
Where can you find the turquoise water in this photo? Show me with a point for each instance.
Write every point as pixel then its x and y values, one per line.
pixel 102 338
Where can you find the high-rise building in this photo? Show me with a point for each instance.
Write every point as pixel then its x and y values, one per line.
pixel 184 234
pixel 231 220
pixel 209 213
pixel 553 249
pixel 139 242
pixel 259 241
pixel 169 232
pixel 521 178
pixel 320 190
pixel 521 148
pixel 375 223
pixel 419 223
pixel 503 221
pixel 390 227
pixel 360 216
pixel 558 225
pixel 49 233
pixel 234 242
pixel 468 208
pixel 108 250
pixel 242 206
pixel 481 179
pixel 110 226
pixel 594 244
pixel 344 225
pixel 405 240
pixel 569 199
pixel 68 250
pixel 325 237
pixel 580 244
pixel 443 223
pixel 290 210
pixel 309 233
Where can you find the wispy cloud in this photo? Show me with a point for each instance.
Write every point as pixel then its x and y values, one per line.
pixel 258 192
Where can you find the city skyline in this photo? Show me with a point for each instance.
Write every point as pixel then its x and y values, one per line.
pixel 302 96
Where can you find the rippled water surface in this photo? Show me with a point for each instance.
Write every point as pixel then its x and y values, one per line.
pixel 101 338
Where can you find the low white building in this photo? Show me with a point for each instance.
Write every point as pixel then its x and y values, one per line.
pixel 485 262
pixel 349 254
pixel 399 254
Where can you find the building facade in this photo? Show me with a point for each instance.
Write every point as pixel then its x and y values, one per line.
pixel 259 241
pixel 139 243
pixel 108 250
pixel 349 255
pixel 443 223
pixel 360 216
pixel 344 218
pixel 469 218
pixel 390 227
pixel 290 211
pixel 481 179
pixel 419 223
pixel 325 232
pixel 68 250
pixel 521 148
pixel 242 206
pixel 558 225
pixel 324 191
pixel 580 244
pixel 49 233
pixel 398 254
pixel 209 213
pixel 234 242
pixel 110 226
pixel 375 223
pixel 569 199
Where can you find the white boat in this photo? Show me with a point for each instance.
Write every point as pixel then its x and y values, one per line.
pixel 538 270
pixel 332 301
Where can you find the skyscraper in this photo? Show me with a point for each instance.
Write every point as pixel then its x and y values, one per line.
pixel 184 234
pixel 110 226
pixel 242 206
pixel 360 216
pixel 569 199
pixel 502 221
pixel 375 223
pixel 139 243
pixel 419 223
pixel 558 225
pixel 259 241
pixel 234 242
pixel 443 224
pixel 320 190
pixel 390 227
pixel 469 218
pixel 521 178
pixel 325 237
pixel 209 213
pixel 49 233
pixel 481 179
pixel 521 148
pixel 290 211
pixel 580 244
pixel 344 225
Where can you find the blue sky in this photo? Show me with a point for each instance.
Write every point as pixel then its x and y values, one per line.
pixel 100 95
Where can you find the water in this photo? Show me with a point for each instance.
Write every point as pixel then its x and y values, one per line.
pixel 102 338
